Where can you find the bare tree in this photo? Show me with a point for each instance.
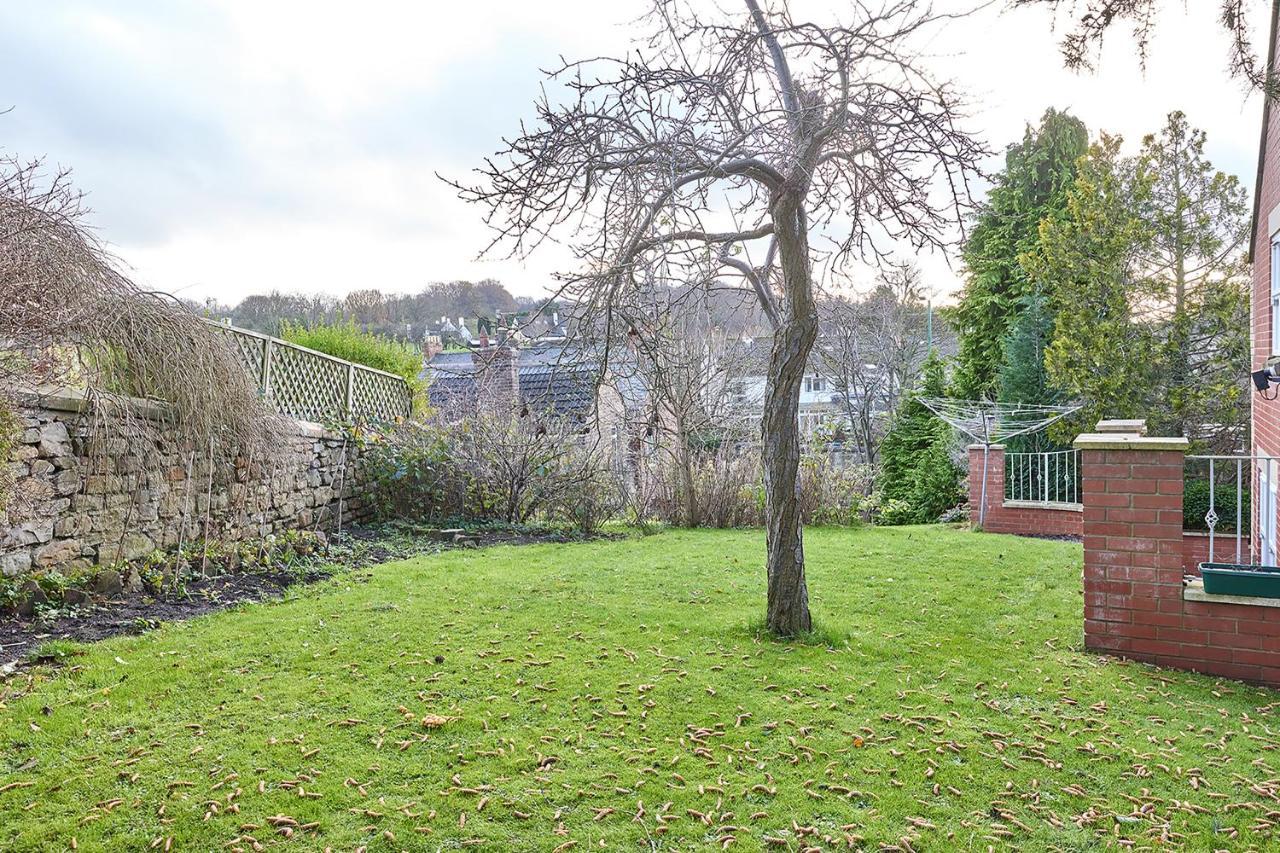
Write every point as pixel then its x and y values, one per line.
pixel 871 348
pixel 898 305
pixel 726 146
pixel 850 353
pixel 685 363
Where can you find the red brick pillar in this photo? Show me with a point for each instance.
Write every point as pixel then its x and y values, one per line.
pixel 995 481
pixel 1132 497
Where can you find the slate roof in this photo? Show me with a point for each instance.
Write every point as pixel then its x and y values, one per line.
pixel 751 355
pixel 553 377
pixel 557 378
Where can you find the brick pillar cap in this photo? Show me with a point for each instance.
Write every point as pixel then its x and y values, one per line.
pixel 980 446
pixel 1137 426
pixel 1128 441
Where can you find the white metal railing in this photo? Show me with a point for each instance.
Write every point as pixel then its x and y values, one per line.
pixel 1217 498
pixel 314 386
pixel 1048 477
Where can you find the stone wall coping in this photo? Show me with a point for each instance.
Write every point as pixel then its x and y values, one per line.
pixel 76 401
pixel 66 399
pixel 1136 425
pixel 311 429
pixel 981 446
pixel 1065 507
pixel 1128 441
pixel 1194 591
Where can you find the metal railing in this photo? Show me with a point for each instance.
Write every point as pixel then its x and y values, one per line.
pixel 1217 499
pixel 1049 477
pixel 313 386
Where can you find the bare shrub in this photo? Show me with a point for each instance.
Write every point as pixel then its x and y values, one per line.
pixel 491 464
pixel 727 484
pixel 832 493
pixel 731 490
pixel 70 317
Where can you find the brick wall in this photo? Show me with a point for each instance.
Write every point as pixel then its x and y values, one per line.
pixel 1265 420
pixel 1195 550
pixel 1135 603
pixel 1266 413
pixel 1022 518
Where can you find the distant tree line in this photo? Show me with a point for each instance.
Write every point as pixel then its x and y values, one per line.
pixel 403 316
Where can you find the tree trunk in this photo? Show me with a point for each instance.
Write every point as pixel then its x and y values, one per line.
pixel 684 459
pixel 788 603
pixel 788 607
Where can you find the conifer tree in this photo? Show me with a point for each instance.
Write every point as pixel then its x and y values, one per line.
pixel 918 478
pixel 1023 377
pixel 1032 188
pixel 1149 287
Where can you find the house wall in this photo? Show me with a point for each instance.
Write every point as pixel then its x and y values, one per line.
pixel 815 406
pixel 68 508
pixel 754 387
pixel 1021 518
pixel 1195 550
pixel 1265 420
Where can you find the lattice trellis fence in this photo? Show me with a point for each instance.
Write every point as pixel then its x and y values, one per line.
pixel 313 386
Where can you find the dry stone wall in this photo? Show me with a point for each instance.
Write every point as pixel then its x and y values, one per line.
pixel 71 504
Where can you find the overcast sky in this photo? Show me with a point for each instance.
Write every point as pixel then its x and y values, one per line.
pixel 240 146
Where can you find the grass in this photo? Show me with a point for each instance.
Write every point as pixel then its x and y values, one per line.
pixel 616 695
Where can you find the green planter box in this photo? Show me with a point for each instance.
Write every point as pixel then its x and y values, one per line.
pixel 1237 579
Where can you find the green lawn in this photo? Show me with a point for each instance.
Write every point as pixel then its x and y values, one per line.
pixel 615 695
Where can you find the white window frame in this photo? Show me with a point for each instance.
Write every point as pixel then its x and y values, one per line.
pixel 1266 515
pixel 1275 294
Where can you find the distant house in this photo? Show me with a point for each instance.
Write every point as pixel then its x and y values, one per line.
pixel 820 401
pixel 544 378
pixel 549 378
pixel 447 334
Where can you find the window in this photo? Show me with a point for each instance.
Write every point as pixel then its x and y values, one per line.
pixel 814 384
pixel 1275 294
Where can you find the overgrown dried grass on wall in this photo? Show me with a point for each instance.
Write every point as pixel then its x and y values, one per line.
pixel 69 316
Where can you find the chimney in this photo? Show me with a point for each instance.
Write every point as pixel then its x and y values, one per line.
pixel 497 372
pixel 432 346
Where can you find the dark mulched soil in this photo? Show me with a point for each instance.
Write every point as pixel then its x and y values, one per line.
pixel 359 547
pixel 20 637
